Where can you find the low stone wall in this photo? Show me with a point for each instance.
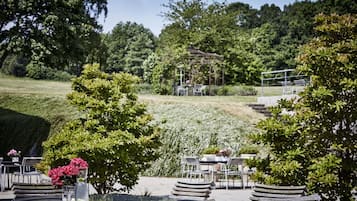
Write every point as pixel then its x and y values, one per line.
pixel 273 100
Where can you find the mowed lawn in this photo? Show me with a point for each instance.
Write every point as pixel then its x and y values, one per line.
pixel 235 105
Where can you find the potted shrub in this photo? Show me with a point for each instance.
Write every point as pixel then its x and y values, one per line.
pixel 210 152
pixel 248 151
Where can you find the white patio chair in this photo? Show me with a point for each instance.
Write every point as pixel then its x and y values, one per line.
pixel 233 168
pixel 199 89
pixel 191 168
pixel 246 170
pixel 27 168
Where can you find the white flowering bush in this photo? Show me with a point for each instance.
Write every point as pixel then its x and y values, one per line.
pixel 187 129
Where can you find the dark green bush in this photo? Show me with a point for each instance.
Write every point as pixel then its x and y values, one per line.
pixel 15 65
pixel 211 150
pixel 62 76
pixel 246 91
pixel 224 91
pixel 39 72
pixel 145 88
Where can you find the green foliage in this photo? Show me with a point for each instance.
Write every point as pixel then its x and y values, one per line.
pixel 323 176
pixel 56 33
pixel 247 91
pixel 251 40
pixel 40 72
pixel 164 71
pixel 314 144
pixel 148 67
pixel 211 150
pixel 30 119
pixel 248 149
pixel 129 45
pixel 15 65
pixel 113 132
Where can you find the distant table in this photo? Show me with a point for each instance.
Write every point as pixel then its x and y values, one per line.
pixel 211 164
pixel 7 167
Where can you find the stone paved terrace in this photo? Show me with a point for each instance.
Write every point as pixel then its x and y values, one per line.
pixel 161 187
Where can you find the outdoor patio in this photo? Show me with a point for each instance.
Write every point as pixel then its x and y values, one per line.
pixel 161 187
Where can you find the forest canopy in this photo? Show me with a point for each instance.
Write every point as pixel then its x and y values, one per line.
pixel 249 40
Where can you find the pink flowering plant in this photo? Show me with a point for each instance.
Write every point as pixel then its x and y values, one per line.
pixel 13 153
pixel 67 175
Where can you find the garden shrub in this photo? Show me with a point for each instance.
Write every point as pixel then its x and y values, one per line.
pixel 246 91
pixel 113 135
pixel 315 143
pixel 211 150
pixel 15 65
pixel 248 149
pixel 224 90
pixel 145 88
pixel 62 76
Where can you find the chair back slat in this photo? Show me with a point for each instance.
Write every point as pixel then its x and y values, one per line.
pixel 263 192
pixel 25 191
pixel 235 161
pixel 31 161
pixel 191 191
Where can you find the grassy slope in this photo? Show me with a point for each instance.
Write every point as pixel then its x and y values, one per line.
pixel 188 123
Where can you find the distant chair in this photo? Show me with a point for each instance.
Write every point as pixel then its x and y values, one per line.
pixel 181 91
pixel 191 168
pixel 233 168
pixel 199 89
pixel 27 169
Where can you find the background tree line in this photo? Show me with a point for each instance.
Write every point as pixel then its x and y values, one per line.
pixel 45 43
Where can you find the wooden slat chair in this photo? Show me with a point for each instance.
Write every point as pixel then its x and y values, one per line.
pixel 191 191
pixel 42 191
pixel 263 192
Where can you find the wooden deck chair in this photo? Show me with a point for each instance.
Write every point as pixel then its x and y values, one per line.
pixel 28 192
pixel 263 192
pixel 191 191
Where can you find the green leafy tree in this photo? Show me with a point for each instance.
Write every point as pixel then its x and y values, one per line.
pixel 148 67
pixel 129 44
pixel 113 135
pixel 165 70
pixel 315 143
pixel 55 33
pixel 332 100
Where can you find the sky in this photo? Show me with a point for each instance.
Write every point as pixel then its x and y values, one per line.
pixel 148 12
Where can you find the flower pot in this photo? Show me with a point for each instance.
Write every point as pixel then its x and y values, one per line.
pixel 248 156
pixel 82 191
pixel 15 159
pixel 209 157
